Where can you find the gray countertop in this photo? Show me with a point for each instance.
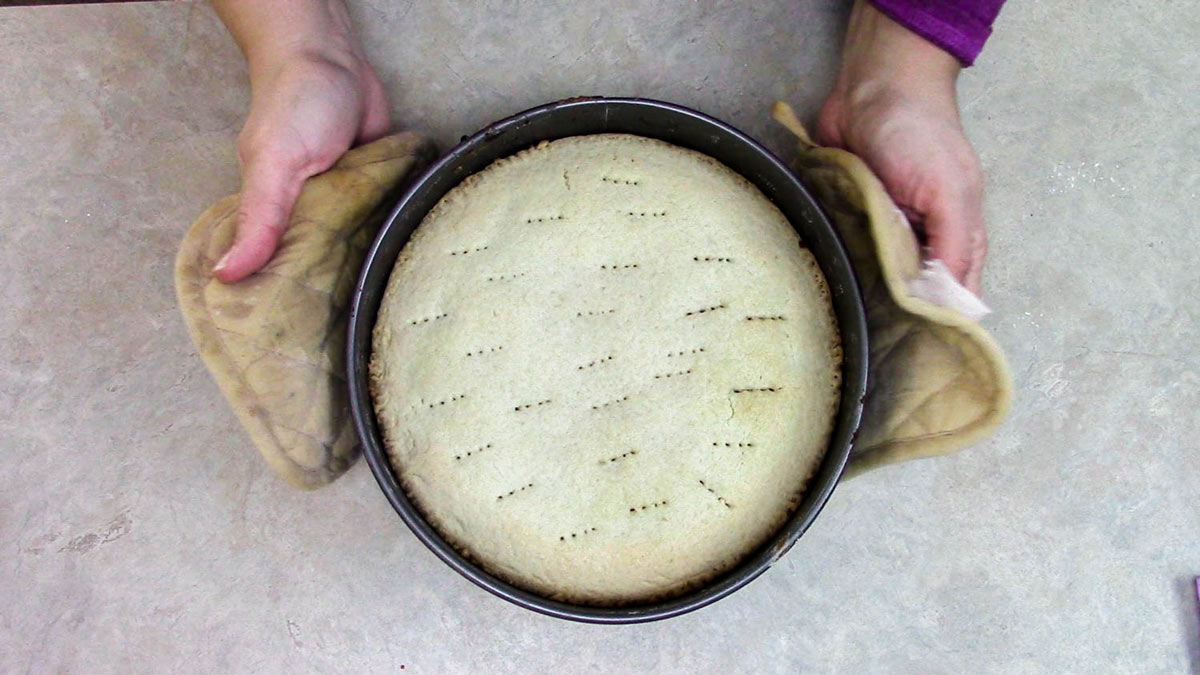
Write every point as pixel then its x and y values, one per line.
pixel 143 533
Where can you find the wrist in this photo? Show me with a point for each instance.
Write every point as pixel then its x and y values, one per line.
pixel 882 57
pixel 301 56
pixel 300 51
pixel 276 34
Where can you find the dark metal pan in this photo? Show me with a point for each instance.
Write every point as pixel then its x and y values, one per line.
pixel 682 127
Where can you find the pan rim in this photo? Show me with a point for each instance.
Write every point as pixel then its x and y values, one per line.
pixel 851 318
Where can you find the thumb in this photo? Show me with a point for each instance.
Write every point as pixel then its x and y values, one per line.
pixel 955 235
pixel 269 192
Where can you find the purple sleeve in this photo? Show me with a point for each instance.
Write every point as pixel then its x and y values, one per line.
pixel 957 26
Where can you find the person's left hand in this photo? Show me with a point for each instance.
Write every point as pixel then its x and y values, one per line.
pixel 894 105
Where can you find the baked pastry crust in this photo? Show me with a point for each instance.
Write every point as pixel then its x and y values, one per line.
pixel 605 368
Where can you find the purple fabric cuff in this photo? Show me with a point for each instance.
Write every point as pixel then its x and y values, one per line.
pixel 958 26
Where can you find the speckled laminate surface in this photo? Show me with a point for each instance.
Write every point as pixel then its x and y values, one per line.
pixel 143 534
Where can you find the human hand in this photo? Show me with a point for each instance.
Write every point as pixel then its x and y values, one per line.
pixel 894 105
pixel 311 100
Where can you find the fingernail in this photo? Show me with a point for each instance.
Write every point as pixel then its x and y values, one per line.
pixel 220 266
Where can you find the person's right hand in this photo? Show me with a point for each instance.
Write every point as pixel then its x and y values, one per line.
pixel 306 110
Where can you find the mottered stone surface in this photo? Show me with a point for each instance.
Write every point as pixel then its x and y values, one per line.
pixel 143 533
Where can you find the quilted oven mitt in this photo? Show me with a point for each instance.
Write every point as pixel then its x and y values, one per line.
pixel 938 381
pixel 275 342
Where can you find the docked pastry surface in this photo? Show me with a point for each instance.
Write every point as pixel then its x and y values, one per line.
pixel 605 368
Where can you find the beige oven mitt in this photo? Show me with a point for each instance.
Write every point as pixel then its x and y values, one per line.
pixel 275 342
pixel 938 381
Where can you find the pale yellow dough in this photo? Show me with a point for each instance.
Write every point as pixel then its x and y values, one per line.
pixel 605 368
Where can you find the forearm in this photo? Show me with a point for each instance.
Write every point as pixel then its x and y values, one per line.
pixel 269 32
pixel 881 54
pixel 959 27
